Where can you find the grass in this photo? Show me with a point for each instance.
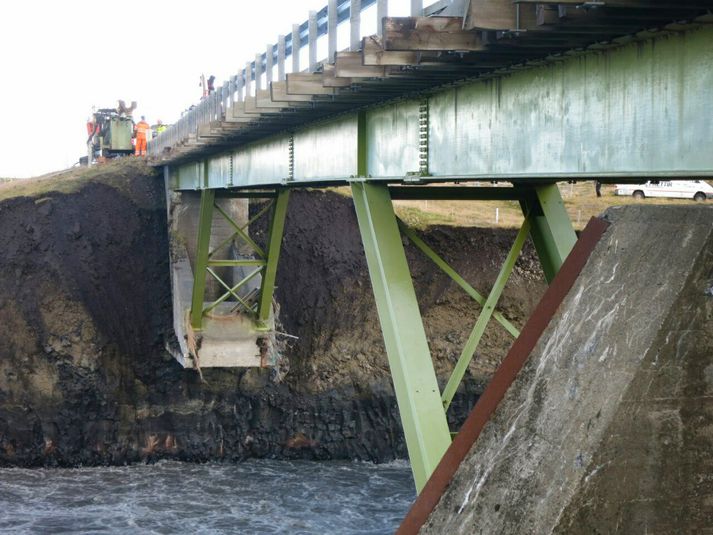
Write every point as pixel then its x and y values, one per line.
pixel 580 201
pixel 417 218
pixel 113 173
pixel 465 213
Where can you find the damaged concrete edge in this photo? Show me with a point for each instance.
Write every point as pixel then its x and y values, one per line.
pixel 181 288
pixel 503 378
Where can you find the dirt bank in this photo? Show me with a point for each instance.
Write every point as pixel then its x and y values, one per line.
pixel 85 314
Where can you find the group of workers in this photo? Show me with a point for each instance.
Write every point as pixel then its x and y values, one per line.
pixel 143 132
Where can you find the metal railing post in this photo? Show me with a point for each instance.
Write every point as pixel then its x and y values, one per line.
pixel 295 48
pixel 354 25
pixel 281 58
pixel 258 73
pixel 312 40
pixel 331 30
pixel 248 79
pixel 382 11
pixel 240 87
pixel 219 105
pixel 269 65
pixel 416 8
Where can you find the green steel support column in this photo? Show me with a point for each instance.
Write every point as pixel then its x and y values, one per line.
pixel 552 231
pixel 362 155
pixel 205 221
pixel 277 226
pixel 488 308
pixel 417 393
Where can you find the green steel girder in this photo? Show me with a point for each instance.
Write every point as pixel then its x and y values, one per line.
pixel 362 145
pixel 422 407
pixel 246 194
pixel 205 223
pixel 277 226
pixel 236 263
pixel 552 232
pixel 417 393
pixel 595 126
pixel 455 193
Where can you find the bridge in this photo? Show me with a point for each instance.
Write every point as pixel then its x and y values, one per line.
pixel 436 105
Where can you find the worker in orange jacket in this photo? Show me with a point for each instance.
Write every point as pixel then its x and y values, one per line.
pixel 143 132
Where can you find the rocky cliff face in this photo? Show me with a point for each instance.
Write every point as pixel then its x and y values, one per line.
pixel 85 315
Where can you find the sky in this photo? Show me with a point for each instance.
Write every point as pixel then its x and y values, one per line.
pixel 60 58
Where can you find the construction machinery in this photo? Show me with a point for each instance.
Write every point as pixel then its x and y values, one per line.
pixel 110 133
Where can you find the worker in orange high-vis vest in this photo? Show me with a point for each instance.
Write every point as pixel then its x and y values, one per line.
pixel 143 132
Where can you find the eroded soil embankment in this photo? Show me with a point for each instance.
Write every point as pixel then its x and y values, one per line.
pixel 85 313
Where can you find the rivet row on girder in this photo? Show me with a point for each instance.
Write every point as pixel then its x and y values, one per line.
pixel 423 126
pixel 230 171
pixel 291 152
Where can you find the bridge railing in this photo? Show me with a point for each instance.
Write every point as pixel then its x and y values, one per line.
pixel 325 22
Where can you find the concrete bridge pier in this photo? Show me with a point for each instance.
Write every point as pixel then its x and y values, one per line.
pixel 606 428
pixel 214 263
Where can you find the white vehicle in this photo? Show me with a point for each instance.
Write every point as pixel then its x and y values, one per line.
pixel 698 190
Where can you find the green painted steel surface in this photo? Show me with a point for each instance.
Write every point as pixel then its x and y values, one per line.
pixel 326 150
pixel 120 134
pixel 277 226
pixel 488 308
pixel 393 134
pixel 236 263
pixel 219 171
pixel 637 110
pixel 205 222
pixel 422 415
pixel 231 291
pixel 266 162
pixel 187 176
pixel 552 232
pixel 362 146
pixel 641 108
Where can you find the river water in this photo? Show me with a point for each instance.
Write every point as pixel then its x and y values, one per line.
pixel 253 497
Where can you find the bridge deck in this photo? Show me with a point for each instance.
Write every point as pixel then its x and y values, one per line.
pixel 526 103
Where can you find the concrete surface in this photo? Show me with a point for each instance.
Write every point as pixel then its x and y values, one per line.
pixel 609 427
